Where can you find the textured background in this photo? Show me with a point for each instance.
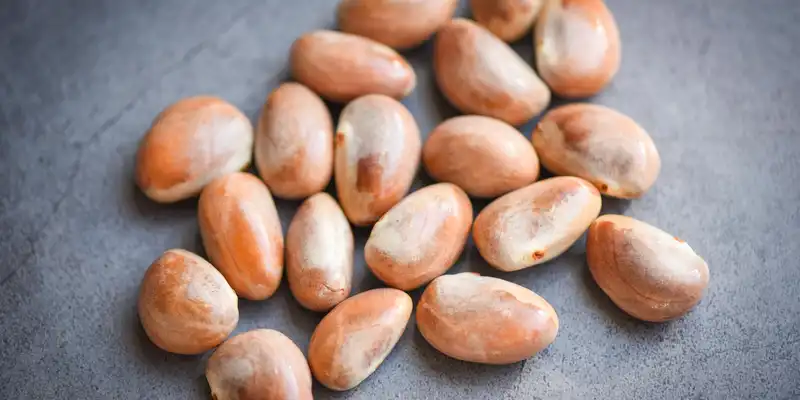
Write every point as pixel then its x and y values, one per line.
pixel 715 82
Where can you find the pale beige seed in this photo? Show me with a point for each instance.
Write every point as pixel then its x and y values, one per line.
pixel 601 145
pixel 185 305
pixel 647 272
pixel 535 224
pixel 578 48
pixel 294 142
pixel 259 364
pixel 341 67
pixel 377 155
pixel 509 20
pixel 319 254
pixel 421 237
pixel 242 234
pixel 485 320
pixel 190 143
pixel 351 341
pixel 480 74
pixel 484 156
pixel 400 24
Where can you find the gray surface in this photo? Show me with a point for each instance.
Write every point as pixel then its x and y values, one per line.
pixel 715 82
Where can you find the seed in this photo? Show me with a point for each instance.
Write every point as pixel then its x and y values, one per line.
pixel 578 47
pixel 484 156
pixel 294 142
pixel 400 24
pixel 319 254
pixel 480 74
pixel 377 154
pixel 341 67
pixel 242 234
pixel 351 341
pixel 600 145
pixel 259 364
pixel 185 304
pixel 646 272
pixel 485 320
pixel 421 237
pixel 535 224
pixel 190 143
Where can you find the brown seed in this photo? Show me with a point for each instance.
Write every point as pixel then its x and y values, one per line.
pixel 578 48
pixel 242 234
pixel 377 154
pixel 319 254
pixel 351 341
pixel 647 272
pixel 259 364
pixel 480 74
pixel 484 156
pixel 485 320
pixel 535 224
pixel 189 144
pixel 294 142
pixel 509 20
pixel 341 67
pixel 421 237
pixel 598 144
pixel 401 24
pixel 185 305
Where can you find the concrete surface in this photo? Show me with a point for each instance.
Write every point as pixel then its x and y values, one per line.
pixel 715 82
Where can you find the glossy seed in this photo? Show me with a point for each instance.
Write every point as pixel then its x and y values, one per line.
pixel 294 142
pixel 509 20
pixel 598 144
pixel 319 254
pixel 400 24
pixel 185 305
pixel 421 237
pixel 351 341
pixel 535 224
pixel 647 272
pixel 377 155
pixel 484 156
pixel 242 234
pixel 259 364
pixel 578 47
pixel 190 143
pixel 480 74
pixel 341 67
pixel 485 320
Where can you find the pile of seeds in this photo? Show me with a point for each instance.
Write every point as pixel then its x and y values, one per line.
pixel 200 145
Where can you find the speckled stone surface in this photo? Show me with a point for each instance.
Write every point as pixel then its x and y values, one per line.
pixel 715 82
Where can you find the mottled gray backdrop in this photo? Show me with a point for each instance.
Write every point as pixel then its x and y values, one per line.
pixel 715 82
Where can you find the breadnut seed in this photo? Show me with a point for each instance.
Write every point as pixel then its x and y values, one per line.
pixel 509 20
pixel 190 143
pixel 351 341
pixel 421 237
pixel 480 74
pixel 376 157
pixel 485 320
pixel 578 48
pixel 484 156
pixel 242 234
pixel 185 305
pixel 601 145
pixel 259 364
pixel 341 67
pixel 401 24
pixel 319 254
pixel 648 273
pixel 535 224
pixel 294 142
